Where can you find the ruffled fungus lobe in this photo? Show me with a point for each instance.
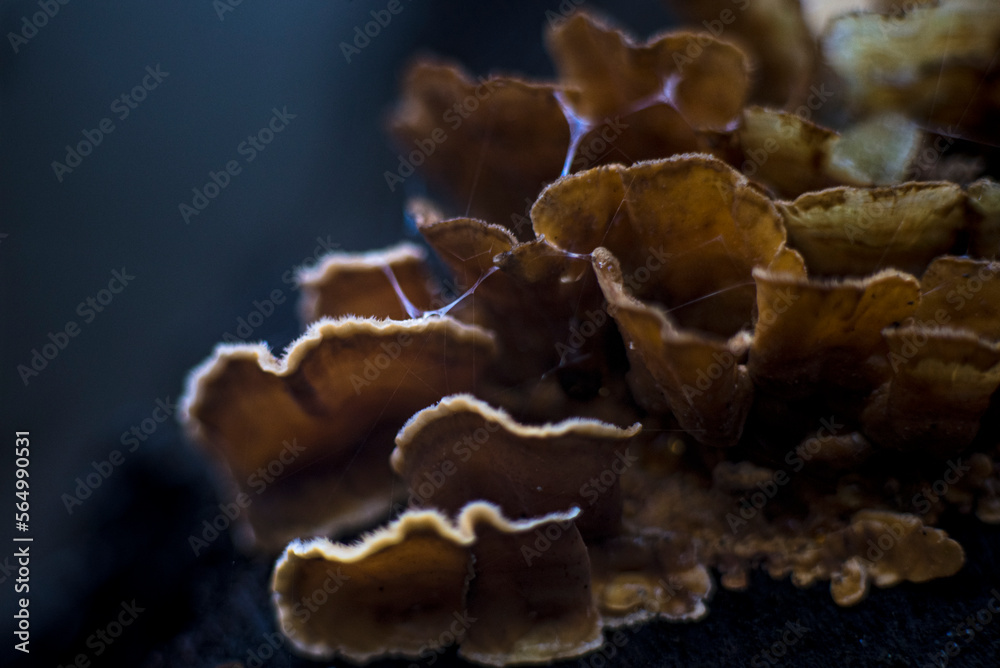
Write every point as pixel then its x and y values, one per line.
pixel 606 72
pixel 800 368
pixel 775 35
pixel 793 155
pixel 815 334
pixel 665 221
pixel 462 448
pixel 367 284
pixel 941 386
pixel 423 583
pixel 984 201
pixel 512 137
pixel 858 231
pixel 702 378
pixel 895 548
pixel 934 61
pixel 333 396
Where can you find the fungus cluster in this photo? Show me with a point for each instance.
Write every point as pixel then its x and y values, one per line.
pixel 720 336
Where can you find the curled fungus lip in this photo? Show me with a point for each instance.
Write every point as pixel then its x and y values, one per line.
pixel 789 325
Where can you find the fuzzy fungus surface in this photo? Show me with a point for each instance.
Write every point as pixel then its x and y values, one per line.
pixel 738 337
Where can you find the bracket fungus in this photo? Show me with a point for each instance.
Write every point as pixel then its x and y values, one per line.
pixel 337 389
pixel 660 367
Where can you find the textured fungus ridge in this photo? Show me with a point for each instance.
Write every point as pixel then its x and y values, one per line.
pixel 678 338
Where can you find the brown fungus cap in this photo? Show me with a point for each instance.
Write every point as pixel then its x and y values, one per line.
pixel 813 543
pixel 961 293
pixel 544 306
pixel 507 140
pixel 639 577
pixel 941 386
pixel 702 378
pixel 667 221
pixel 489 145
pixel 984 199
pixel 815 333
pixel 890 548
pixel 343 284
pixel 423 583
pixel 793 155
pixel 773 33
pixel 335 398
pixel 462 449
pixel 859 231
pixel 934 61
pixel 606 72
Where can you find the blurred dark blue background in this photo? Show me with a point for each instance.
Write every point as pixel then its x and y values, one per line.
pixel 318 184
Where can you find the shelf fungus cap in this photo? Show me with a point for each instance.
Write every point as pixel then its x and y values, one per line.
pixel 773 33
pixel 944 361
pixel 810 333
pixel 343 284
pixel 858 231
pixel 889 548
pixel 666 221
pixel 940 389
pixel 462 449
pixel 931 61
pixel 703 379
pixel 511 136
pixel 607 72
pixel 793 155
pixel 424 583
pixel 319 421
pixel 984 200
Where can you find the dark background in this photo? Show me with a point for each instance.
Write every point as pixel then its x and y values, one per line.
pixel 319 181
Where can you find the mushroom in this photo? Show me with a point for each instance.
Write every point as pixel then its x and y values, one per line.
pixel 335 398
pixel 794 155
pixel 505 591
pixel 489 145
pixel 795 371
pixel 372 285
pixel 462 449
pixel 931 61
